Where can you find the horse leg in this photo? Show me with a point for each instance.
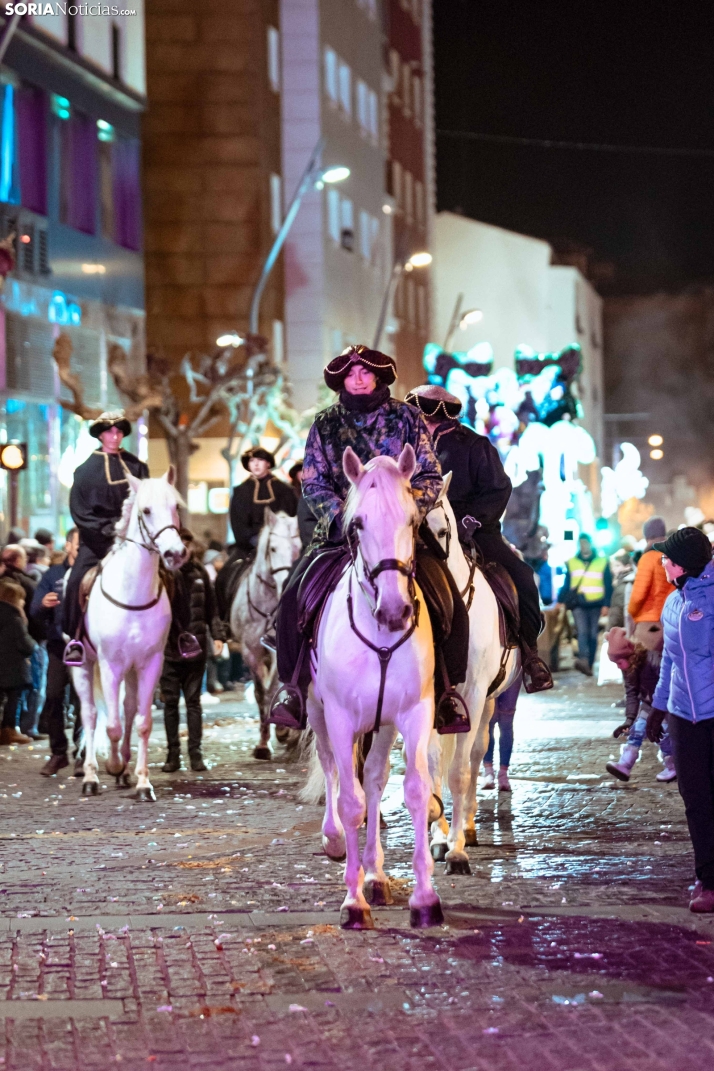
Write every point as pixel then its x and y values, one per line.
pixel 147 681
pixel 457 861
pixel 374 780
pixel 111 683
pixel 83 681
pixel 131 704
pixel 416 727
pixel 437 820
pixel 333 834
pixel 354 913
pixel 478 750
pixel 262 748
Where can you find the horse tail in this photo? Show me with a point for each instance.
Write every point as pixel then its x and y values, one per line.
pixel 313 791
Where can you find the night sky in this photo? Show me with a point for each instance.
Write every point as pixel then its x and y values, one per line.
pixel 624 73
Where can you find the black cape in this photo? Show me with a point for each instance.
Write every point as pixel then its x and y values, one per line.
pixel 248 504
pixel 98 492
pixel 479 485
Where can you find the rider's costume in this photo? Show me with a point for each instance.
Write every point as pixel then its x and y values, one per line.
pixel 372 424
pixel 479 492
pixel 95 502
pixel 250 498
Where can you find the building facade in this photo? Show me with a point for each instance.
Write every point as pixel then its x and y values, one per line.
pixel 410 176
pixel 72 92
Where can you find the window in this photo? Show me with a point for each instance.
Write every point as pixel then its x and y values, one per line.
pixel 363 106
pixel 347 224
pixel 365 235
pixel 127 192
pixel 373 123
pixel 345 85
pixel 374 238
pixel 417 101
pixel 105 136
pixel 397 182
pixel 278 342
pixel 407 88
pixel 333 214
pixel 276 203
pixel 32 148
pixel 395 65
pixel 331 74
pixel 274 58
pixel 411 301
pixel 419 203
pixel 399 298
pixel 409 196
pixel 78 174
pixel 421 308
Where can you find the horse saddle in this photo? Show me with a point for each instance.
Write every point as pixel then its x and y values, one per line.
pixel 509 618
pixel 439 599
pixel 86 584
pixel 318 582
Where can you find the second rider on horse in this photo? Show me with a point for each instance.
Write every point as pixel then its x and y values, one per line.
pixel 100 486
pixel 373 423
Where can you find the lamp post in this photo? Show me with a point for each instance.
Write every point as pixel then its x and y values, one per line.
pixel 13 458
pixel 401 264
pixel 314 176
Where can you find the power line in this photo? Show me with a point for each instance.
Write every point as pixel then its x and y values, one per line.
pixel 582 146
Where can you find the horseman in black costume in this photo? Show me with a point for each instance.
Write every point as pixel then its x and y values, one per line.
pixel 247 515
pixel 479 492
pixel 100 486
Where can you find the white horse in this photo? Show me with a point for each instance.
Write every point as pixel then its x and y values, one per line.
pixel 127 624
pixel 460 756
pixel 375 653
pixel 255 602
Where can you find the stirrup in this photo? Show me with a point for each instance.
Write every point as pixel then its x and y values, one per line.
pixel 74 653
pixel 269 641
pixel 536 675
pixel 288 708
pixel 452 714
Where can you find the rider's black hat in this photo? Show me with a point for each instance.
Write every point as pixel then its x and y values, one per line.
pixel 384 367
pixel 258 451
pixel 112 419
pixel 435 401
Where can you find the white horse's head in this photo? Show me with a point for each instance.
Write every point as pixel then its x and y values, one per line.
pixel 151 518
pixel 278 547
pixel 441 519
pixel 382 513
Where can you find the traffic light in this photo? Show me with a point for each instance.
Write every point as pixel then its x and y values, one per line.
pixel 13 456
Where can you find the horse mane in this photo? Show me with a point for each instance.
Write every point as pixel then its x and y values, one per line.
pixel 383 476
pixel 121 528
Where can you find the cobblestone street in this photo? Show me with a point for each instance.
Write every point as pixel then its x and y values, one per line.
pixel 201 931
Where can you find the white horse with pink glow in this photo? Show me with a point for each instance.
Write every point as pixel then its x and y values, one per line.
pixel 374 609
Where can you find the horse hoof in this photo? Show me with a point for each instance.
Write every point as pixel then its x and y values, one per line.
pixel 115 773
pixel 378 893
pixel 145 795
pixel 457 866
pixel 123 780
pixel 90 788
pixel 422 917
pixel 438 851
pixel 356 918
pixel 470 838
pixel 335 858
pixel 262 751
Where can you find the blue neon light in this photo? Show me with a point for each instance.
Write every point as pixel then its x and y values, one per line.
pixel 7 143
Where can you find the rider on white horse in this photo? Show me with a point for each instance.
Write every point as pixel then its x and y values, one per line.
pixel 100 486
pixel 479 492
pixel 372 423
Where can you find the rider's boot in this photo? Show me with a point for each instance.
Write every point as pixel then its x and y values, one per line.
pixel 74 653
pixel 536 674
pixel 173 761
pixel 288 707
pixel 451 714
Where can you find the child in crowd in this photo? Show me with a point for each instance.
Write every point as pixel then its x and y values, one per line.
pixel 640 669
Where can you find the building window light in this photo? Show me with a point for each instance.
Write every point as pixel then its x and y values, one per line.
pixel 345 84
pixel 60 106
pixel 105 130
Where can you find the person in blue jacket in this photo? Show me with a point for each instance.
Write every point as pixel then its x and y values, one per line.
pixel 685 693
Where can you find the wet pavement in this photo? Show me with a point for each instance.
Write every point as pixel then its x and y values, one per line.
pixel 201 931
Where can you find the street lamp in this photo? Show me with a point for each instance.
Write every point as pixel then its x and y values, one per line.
pixel 13 458
pixel 655 440
pixel 314 176
pixel 416 260
pixel 472 316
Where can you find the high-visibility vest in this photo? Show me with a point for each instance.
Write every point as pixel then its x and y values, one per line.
pixel 587 578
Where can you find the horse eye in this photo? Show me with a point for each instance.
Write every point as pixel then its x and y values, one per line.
pixel 146 510
pixel 442 532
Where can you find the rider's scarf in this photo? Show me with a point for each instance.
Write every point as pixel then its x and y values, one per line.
pixel 365 403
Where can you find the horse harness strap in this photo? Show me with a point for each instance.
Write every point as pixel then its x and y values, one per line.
pixel 470 588
pixel 383 653
pixel 124 605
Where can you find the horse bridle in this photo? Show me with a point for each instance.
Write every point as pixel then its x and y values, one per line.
pixel 267 583
pixel 473 564
pixel 153 548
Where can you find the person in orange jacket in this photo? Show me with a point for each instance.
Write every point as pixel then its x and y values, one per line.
pixel 650 589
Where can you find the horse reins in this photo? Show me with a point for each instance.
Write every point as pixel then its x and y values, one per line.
pixel 383 653
pixel 267 583
pixel 153 548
